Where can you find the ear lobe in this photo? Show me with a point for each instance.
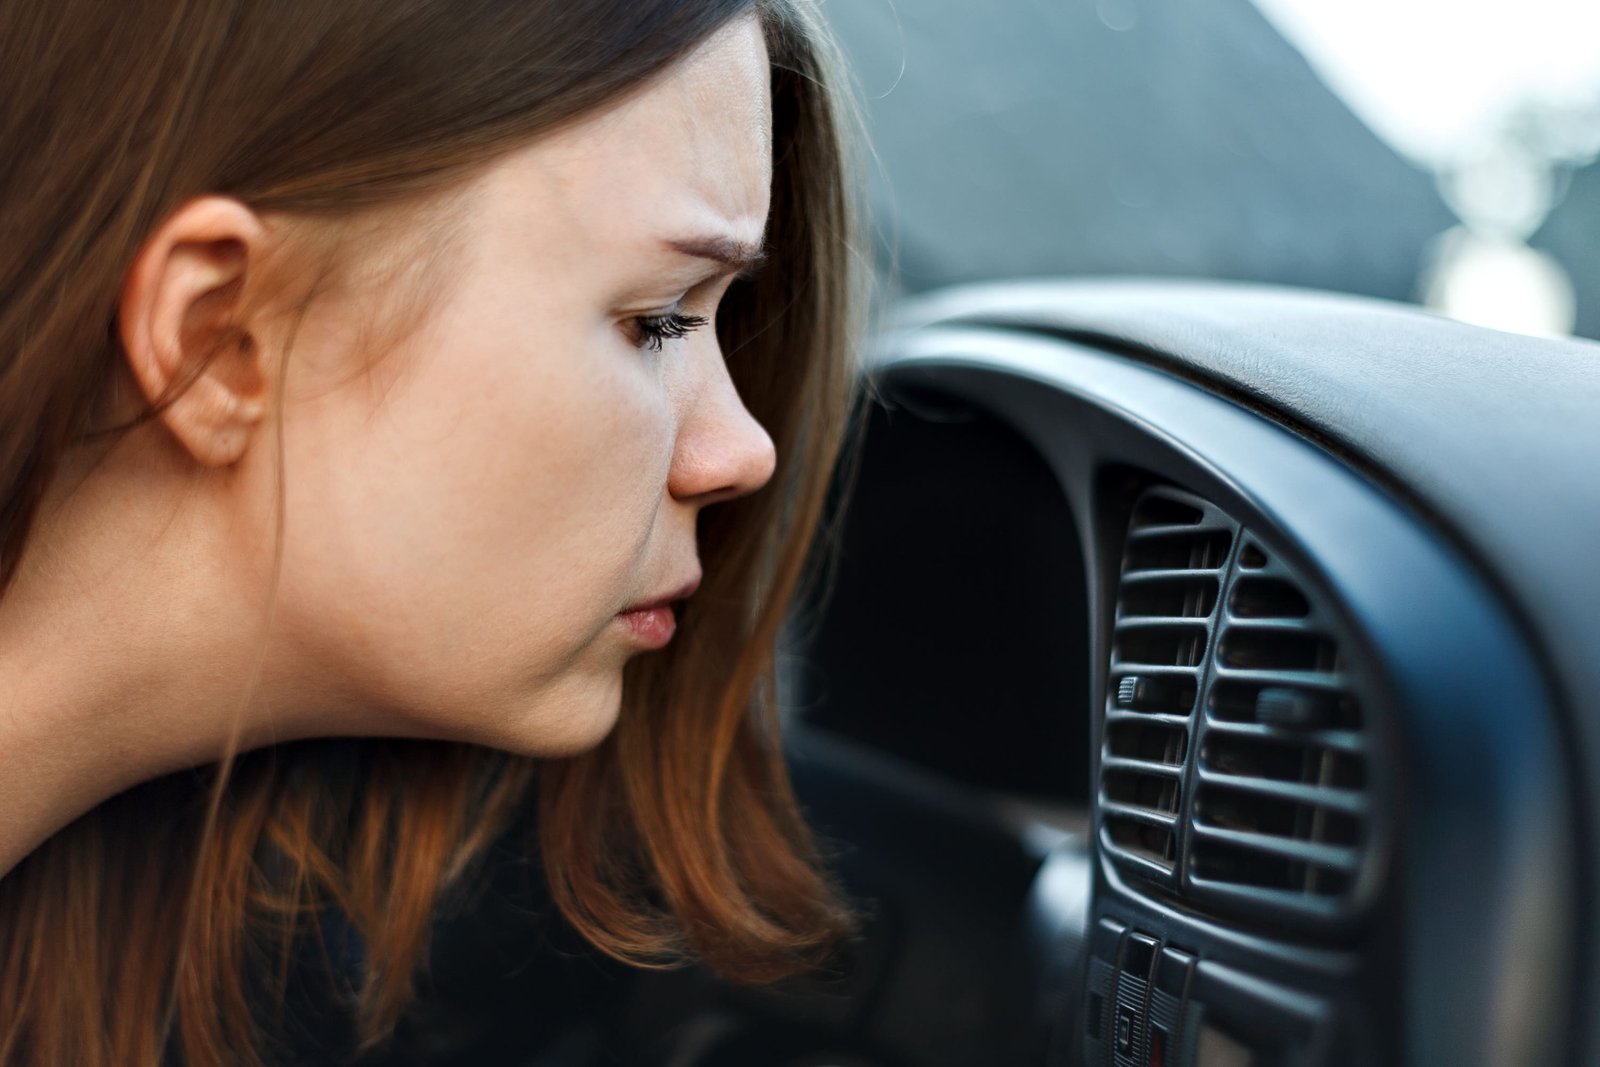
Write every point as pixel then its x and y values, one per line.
pixel 184 323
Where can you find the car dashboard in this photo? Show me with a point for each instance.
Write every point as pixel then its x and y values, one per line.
pixel 1313 771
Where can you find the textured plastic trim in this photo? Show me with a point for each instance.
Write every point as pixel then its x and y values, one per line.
pixel 1484 887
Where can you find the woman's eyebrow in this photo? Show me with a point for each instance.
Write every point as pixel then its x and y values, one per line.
pixel 741 257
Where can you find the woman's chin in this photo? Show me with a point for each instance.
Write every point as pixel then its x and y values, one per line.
pixel 563 724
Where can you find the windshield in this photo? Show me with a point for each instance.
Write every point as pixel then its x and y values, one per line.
pixel 1418 150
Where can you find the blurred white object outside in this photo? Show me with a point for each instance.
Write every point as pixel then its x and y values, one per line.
pixel 1499 100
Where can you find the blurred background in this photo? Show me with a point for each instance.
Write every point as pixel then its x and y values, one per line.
pixel 1431 151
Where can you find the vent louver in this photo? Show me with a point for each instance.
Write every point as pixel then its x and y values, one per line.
pixel 1279 810
pixel 1167 600
pixel 1234 761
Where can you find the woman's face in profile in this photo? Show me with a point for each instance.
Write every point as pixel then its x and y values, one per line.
pixel 467 517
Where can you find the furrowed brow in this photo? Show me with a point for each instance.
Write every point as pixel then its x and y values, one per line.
pixel 740 257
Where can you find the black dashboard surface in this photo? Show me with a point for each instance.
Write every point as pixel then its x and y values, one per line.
pixel 1496 435
pixel 1492 438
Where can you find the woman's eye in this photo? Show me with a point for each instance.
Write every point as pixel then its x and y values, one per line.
pixel 653 331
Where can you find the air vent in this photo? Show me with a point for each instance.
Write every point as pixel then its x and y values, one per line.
pixel 1167 603
pixel 1234 769
pixel 1280 807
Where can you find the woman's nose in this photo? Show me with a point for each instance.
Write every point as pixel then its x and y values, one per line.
pixel 722 451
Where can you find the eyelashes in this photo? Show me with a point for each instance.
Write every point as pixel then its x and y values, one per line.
pixel 654 331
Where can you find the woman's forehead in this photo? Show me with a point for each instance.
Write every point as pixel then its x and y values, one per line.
pixel 691 149
pixel 690 152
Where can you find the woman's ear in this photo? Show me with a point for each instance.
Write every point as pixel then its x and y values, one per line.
pixel 184 322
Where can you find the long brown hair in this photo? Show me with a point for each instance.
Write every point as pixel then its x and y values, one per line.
pixel 163 914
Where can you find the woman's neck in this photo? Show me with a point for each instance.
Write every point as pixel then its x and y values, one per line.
pixel 124 653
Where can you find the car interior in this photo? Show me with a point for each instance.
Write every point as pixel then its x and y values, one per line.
pixel 1195 680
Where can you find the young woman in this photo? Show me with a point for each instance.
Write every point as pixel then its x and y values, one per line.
pixel 463 376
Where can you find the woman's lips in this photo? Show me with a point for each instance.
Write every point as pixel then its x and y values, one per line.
pixel 653 623
pixel 651 627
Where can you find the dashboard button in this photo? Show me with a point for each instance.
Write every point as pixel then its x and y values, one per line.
pixel 1106 939
pixel 1127 1022
pixel 1139 955
pixel 1172 972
